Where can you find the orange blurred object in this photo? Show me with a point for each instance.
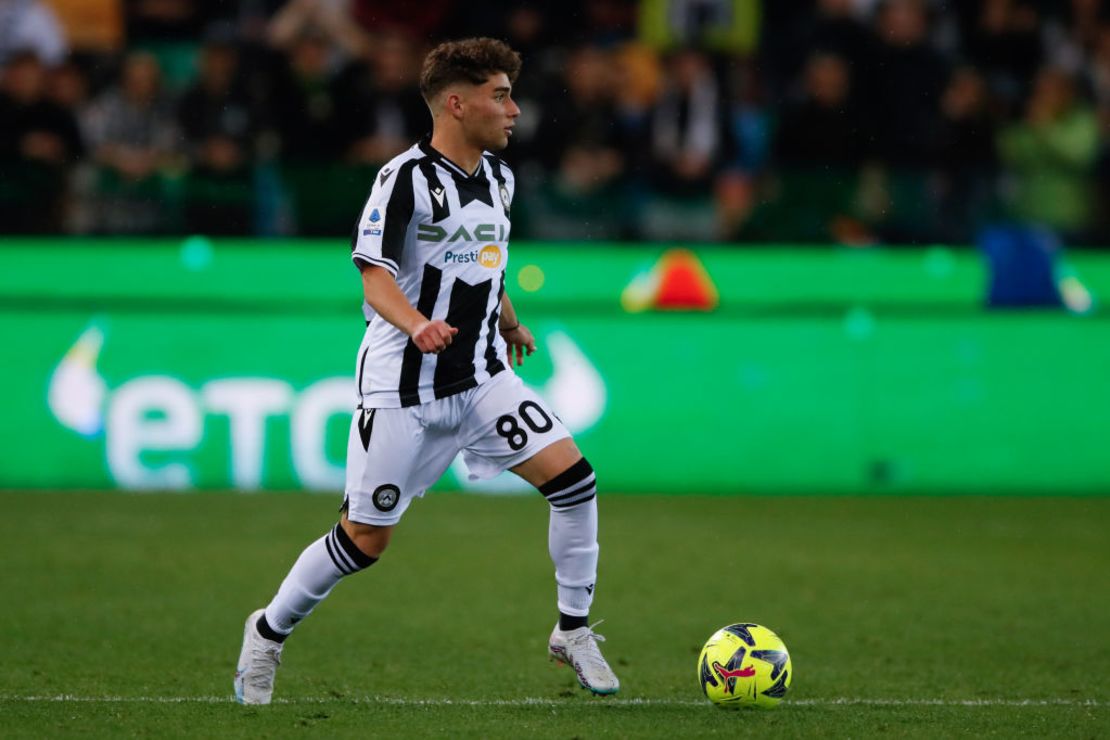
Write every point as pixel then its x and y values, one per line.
pixel 91 25
pixel 677 282
pixel 684 283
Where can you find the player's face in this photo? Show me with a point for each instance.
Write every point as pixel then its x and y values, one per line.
pixel 490 113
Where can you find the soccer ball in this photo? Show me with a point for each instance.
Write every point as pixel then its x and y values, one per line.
pixel 744 665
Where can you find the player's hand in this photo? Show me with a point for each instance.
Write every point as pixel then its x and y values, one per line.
pixel 433 336
pixel 520 341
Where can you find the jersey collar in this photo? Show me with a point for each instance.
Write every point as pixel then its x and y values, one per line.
pixel 426 147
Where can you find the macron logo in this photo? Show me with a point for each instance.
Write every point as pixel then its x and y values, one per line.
pixel 386 172
pixel 438 194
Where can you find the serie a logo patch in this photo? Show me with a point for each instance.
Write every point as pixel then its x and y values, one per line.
pixel 374 225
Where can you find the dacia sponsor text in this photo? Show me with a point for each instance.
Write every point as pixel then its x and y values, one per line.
pixel 480 233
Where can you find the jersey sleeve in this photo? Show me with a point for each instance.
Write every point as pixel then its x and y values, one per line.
pixel 379 237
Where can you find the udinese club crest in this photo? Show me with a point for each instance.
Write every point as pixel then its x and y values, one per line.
pixel 386 497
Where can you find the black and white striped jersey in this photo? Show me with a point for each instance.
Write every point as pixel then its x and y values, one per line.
pixel 444 234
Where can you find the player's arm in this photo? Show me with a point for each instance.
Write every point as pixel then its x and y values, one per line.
pixel 385 297
pixel 516 334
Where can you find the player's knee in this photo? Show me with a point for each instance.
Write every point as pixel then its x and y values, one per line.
pixel 370 540
pixel 575 486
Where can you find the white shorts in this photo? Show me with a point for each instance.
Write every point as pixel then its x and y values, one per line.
pixel 394 455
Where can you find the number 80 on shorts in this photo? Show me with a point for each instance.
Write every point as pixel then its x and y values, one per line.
pixel 534 417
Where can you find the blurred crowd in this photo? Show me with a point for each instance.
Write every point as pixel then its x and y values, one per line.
pixel 851 121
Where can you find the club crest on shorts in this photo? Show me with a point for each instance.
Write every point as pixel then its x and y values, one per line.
pixel 386 497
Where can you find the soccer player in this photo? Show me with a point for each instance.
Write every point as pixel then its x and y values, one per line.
pixel 432 246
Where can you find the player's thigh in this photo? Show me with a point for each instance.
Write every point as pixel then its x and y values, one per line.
pixel 392 458
pixel 505 425
pixel 549 462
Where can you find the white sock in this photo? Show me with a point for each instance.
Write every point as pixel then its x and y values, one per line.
pixel 312 577
pixel 572 542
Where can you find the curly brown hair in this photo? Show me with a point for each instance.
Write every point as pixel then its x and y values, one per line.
pixel 466 60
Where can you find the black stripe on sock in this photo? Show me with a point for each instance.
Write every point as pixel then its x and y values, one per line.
pixel 357 556
pixel 564 495
pixel 351 567
pixel 579 499
pixel 568 622
pixel 571 504
pixel 571 476
pixel 334 558
pixel 267 631
pixel 576 473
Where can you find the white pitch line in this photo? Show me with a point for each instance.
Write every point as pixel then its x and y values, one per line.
pixel 951 702
pixel 534 702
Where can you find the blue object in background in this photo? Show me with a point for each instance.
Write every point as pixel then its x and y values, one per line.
pixel 1022 264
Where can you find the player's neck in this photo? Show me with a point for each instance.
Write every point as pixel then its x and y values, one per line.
pixel 457 149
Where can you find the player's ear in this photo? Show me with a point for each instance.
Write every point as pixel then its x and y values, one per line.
pixel 453 104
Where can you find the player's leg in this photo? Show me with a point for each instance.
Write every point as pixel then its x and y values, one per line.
pixel 345 550
pixel 511 428
pixel 567 481
pixel 377 474
pixel 315 573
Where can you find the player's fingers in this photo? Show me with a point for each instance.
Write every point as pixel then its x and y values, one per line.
pixel 430 343
pixel 440 334
pixel 454 330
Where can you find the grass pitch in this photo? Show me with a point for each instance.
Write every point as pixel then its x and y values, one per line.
pixel 927 617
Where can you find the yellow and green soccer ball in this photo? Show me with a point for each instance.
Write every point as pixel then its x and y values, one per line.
pixel 745 665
